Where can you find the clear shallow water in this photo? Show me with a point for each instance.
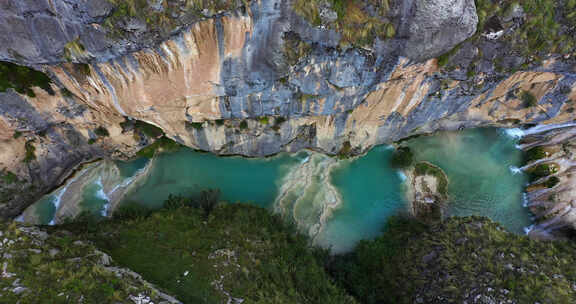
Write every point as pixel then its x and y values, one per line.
pixel 477 163
pixel 371 192
pixel 187 172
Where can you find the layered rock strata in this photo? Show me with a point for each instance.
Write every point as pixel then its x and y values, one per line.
pixel 223 82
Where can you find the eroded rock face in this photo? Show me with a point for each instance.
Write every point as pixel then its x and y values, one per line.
pixel 438 25
pixel 37 31
pixel 550 165
pixel 224 83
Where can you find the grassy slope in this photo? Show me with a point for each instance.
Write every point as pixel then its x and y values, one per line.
pixel 57 268
pixel 458 260
pixel 238 250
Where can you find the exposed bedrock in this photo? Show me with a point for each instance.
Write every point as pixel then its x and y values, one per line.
pixel 252 81
pixel 550 165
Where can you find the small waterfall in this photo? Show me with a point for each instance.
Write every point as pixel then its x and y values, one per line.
pixel 515 170
pixel 544 128
pixel 528 229
pixel 402 175
pixel 525 202
pixel 515 133
pixel 102 195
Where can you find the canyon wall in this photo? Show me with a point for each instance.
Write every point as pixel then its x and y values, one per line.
pixel 251 80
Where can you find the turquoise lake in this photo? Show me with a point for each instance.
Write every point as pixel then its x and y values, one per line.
pixel 477 163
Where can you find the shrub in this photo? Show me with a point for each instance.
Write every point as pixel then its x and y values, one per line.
pixel 540 171
pixel 101 131
pixel 345 151
pixel 533 154
pixel 8 177
pixel 552 181
pixel 195 125
pixel 243 125
pixel 163 144
pixel 528 99
pixel 402 158
pixel 23 79
pixel 30 151
pixel 149 130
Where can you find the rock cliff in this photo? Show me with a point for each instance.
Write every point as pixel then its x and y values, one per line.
pixel 256 78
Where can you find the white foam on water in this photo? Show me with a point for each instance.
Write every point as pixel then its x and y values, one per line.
pixel 528 229
pixel 524 200
pixel 102 195
pixel 128 180
pixel 515 133
pixel 544 128
pixel 402 176
pixel 515 170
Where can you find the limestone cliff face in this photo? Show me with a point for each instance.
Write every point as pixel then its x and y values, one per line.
pixel 252 81
pixel 550 164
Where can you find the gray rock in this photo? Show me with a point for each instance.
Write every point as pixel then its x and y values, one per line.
pixel 439 25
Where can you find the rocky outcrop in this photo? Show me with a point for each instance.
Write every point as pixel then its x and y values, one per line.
pixel 252 81
pixel 426 191
pixel 439 25
pixel 550 163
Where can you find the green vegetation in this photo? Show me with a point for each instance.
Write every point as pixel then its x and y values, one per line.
pixel 443 59
pixel 552 181
pixel 56 268
pixel 528 99
pixel 30 151
pixel 17 134
pixel 263 120
pixel 295 49
pixel 541 171
pixel 202 251
pixel 548 27
pixel 243 125
pixel 426 168
pixel 455 261
pixel 345 151
pixel 402 158
pixel 73 49
pixel 534 154
pixel 169 17
pixel 359 22
pixel 278 121
pixel 195 125
pixel 101 131
pixel 162 144
pixel 22 79
pixel 219 122
pixel 8 177
pixel 149 130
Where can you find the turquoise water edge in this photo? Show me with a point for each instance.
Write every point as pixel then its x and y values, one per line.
pixel 478 163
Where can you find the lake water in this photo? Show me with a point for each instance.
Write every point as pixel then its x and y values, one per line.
pixel 338 202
